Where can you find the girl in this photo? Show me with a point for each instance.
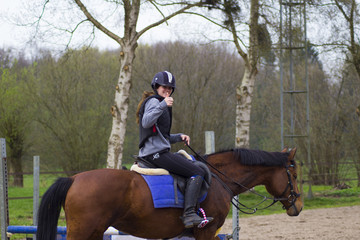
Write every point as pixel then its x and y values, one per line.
pixel 154 116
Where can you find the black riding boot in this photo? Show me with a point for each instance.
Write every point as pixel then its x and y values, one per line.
pixel 192 191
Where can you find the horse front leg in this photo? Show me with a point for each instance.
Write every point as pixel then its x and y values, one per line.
pixel 205 234
pixel 207 237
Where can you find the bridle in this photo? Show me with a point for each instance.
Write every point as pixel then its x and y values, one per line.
pixel 293 196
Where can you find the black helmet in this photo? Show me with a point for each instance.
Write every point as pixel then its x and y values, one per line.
pixel 163 79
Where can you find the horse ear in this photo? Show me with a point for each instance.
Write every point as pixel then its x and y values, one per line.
pixel 292 153
pixel 285 149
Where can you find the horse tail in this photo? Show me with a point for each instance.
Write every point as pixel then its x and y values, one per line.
pixel 50 207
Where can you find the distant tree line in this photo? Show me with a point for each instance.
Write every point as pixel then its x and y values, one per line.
pixel 58 107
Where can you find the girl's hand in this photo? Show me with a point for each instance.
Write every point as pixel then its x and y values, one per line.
pixel 186 139
pixel 169 101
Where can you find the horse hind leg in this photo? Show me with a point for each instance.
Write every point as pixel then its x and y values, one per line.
pixel 85 234
pixel 84 227
pixel 85 219
pixel 81 237
pixel 84 224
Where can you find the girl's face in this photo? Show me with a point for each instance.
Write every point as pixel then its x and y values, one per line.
pixel 164 91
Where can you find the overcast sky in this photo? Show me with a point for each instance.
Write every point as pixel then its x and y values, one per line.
pixel 8 32
pixel 12 35
pixel 18 37
pixel 181 27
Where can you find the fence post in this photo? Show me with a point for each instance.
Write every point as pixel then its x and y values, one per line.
pixel 209 142
pixel 36 190
pixel 210 148
pixel 235 219
pixel 3 190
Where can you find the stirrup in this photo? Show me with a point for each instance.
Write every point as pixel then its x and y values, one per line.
pixel 206 220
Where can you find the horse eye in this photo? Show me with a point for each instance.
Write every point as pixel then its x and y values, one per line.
pixel 295 176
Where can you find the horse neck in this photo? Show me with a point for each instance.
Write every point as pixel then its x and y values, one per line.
pixel 238 177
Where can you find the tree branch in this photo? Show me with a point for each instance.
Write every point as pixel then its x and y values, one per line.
pixel 158 10
pixel 167 18
pixel 235 37
pixel 97 24
pixel 42 13
pixel 209 19
pixel 72 32
pixel 342 10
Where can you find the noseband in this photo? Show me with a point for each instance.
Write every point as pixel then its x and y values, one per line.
pixel 293 196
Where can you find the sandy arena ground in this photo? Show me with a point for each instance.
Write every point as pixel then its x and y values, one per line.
pixel 329 223
pixel 341 223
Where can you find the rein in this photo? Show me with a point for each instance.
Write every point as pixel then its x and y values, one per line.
pixel 291 198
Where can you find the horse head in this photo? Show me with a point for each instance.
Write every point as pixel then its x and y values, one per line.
pixel 284 185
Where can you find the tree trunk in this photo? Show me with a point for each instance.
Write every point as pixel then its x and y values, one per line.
pixel 15 161
pixel 357 164
pixel 119 110
pixel 244 94
pixel 17 168
pixel 16 145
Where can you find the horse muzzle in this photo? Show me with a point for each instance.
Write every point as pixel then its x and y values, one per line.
pixel 295 209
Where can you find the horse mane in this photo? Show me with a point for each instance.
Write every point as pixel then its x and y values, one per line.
pixel 258 158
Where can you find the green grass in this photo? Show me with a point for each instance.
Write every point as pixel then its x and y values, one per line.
pixel 21 210
pixel 324 197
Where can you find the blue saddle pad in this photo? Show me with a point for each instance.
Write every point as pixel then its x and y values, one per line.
pixel 163 192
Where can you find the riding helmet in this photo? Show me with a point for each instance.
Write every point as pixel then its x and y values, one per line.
pixel 164 78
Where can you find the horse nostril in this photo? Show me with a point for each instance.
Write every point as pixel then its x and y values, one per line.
pixel 294 211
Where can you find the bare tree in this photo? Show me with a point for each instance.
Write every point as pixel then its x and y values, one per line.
pixel 350 96
pixel 204 98
pixel 249 53
pixel 15 111
pixel 341 20
pixel 71 96
pixel 244 91
pixel 350 10
pixel 128 43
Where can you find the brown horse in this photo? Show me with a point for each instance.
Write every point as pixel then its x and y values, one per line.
pixel 95 200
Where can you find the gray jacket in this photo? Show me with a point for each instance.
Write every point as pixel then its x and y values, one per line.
pixel 157 143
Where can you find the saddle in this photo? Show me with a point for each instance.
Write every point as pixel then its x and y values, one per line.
pixel 147 169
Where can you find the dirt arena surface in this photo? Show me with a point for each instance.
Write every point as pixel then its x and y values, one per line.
pixel 330 223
